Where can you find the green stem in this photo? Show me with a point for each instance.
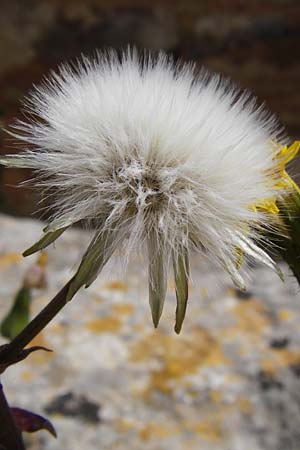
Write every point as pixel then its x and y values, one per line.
pixel 11 351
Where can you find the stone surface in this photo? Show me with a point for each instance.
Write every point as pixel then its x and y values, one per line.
pixel 229 381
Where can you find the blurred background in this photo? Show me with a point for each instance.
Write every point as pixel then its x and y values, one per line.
pixel 257 43
pixel 231 380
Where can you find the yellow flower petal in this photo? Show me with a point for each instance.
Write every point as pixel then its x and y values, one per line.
pixel 282 179
pixel 286 154
pixel 267 206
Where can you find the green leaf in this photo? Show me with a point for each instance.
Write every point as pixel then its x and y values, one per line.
pixel 157 277
pixel 98 253
pixel 18 316
pixel 181 273
pixel 46 240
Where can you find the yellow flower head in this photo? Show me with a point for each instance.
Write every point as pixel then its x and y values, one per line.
pixel 283 181
pixel 284 156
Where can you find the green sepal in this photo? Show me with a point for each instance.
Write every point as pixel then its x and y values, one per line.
pixel 157 277
pixel 58 224
pixel 181 273
pixel 96 256
pixel 45 240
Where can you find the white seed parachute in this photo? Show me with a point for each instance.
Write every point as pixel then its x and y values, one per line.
pixel 156 155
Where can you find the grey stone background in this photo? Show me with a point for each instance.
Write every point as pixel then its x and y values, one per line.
pixel 229 381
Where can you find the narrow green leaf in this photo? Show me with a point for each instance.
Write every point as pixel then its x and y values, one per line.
pixel 181 272
pixel 157 278
pixel 96 256
pixel 46 240
pixel 18 316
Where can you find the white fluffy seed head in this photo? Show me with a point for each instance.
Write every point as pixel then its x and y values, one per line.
pixel 154 149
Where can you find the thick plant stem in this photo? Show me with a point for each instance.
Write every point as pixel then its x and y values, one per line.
pixel 11 351
pixel 10 435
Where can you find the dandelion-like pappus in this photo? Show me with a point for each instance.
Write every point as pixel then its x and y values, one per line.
pixel 159 156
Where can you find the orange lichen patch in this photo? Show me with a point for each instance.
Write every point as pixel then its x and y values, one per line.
pixel 211 427
pixel 278 359
pixel 123 309
pixel 39 302
pixel 251 320
pixel 106 324
pixel 123 425
pixel 58 328
pixel 251 317
pixel 96 297
pixel 285 315
pixel 40 356
pixel 42 259
pixel 39 340
pixel 216 396
pixel 27 376
pixel 9 259
pixel 178 357
pixel 231 292
pixel 233 378
pixel 138 328
pixel 244 405
pixel 157 430
pixel 242 350
pixel 117 285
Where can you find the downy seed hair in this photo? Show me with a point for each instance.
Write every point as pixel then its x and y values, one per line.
pixel 155 155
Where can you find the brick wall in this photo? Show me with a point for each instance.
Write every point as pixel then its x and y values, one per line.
pixel 255 42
